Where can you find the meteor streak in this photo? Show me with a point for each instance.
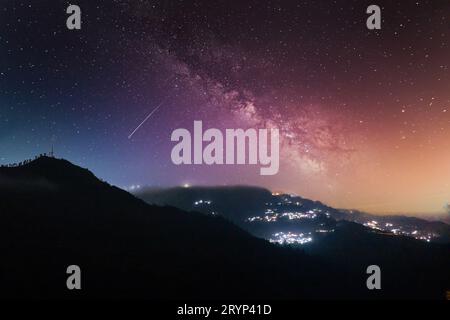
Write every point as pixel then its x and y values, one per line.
pixel 146 118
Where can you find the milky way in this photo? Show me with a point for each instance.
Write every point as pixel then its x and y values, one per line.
pixel 364 115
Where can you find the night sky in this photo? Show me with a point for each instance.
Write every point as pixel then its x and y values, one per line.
pixel 364 115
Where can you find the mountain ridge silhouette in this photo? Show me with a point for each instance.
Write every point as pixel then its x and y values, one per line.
pixel 127 248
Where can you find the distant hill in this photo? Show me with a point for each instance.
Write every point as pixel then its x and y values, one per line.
pixel 54 214
pixel 339 236
pixel 234 202
pixel 238 203
pixel 411 223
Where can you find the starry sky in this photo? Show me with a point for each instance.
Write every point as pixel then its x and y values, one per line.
pixel 364 115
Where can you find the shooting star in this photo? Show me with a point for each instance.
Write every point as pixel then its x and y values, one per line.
pixel 146 118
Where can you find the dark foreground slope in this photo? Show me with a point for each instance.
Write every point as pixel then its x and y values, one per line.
pixel 405 262
pixel 54 214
